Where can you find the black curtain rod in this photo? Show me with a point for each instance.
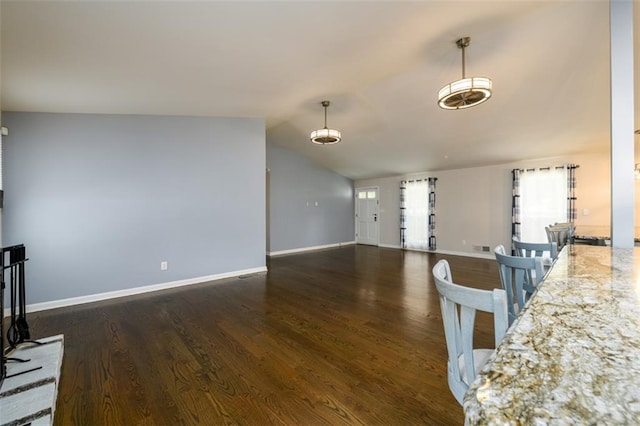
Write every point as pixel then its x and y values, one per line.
pixel 418 180
pixel 568 166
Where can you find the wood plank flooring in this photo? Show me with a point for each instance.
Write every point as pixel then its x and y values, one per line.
pixel 342 336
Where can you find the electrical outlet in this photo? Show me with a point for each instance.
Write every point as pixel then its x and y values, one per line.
pixel 164 265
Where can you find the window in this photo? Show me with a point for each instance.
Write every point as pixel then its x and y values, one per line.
pixel 417 214
pixel 363 195
pixel 542 197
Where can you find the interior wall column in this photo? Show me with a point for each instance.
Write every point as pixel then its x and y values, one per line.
pixel 622 124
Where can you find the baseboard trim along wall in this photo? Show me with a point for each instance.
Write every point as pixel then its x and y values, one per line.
pixel 303 249
pixel 450 252
pixel 391 246
pixel 133 291
pixel 467 254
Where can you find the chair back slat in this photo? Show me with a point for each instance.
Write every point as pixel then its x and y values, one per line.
pixel 452 334
pixel 467 322
pixel 500 316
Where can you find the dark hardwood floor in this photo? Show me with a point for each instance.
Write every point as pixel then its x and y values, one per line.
pixel 343 336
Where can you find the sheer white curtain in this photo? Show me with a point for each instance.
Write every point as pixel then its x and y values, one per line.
pixel 416 211
pixel 543 201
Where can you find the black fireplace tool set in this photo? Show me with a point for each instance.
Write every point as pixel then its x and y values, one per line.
pixel 12 262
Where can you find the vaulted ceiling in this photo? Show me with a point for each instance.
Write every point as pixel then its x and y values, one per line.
pixel 380 63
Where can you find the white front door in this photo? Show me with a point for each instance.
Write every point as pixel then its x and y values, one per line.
pixel 367 225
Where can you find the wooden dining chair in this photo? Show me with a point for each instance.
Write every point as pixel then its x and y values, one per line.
pixel 459 305
pixel 520 277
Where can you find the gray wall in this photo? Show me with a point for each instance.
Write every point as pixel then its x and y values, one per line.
pixel 295 186
pixel 100 200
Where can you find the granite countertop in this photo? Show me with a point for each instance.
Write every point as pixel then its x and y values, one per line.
pixel 573 355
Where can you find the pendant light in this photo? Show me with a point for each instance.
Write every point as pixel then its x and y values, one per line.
pixel 325 136
pixel 466 92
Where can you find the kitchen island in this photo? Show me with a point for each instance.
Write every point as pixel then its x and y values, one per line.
pixel 573 354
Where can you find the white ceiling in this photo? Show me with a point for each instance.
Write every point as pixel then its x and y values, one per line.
pixel 381 63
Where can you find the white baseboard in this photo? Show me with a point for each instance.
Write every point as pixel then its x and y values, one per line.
pixel 467 254
pixel 392 246
pixel 452 252
pixel 303 249
pixel 133 291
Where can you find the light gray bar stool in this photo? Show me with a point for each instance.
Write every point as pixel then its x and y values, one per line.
pixel 459 305
pixel 520 277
